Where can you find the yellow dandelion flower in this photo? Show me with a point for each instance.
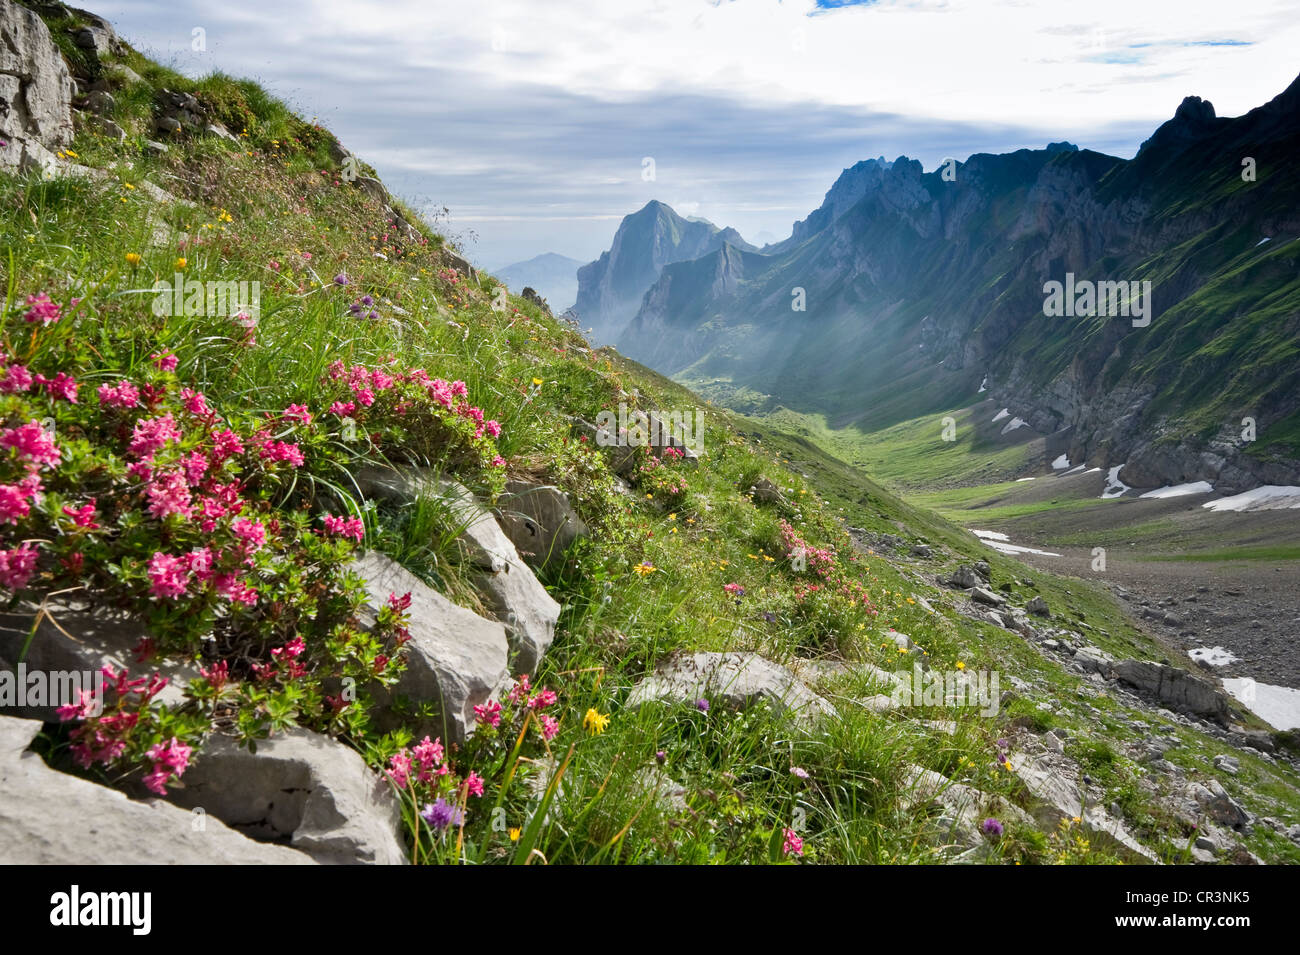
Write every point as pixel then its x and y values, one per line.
pixel 537 382
pixel 515 833
pixel 672 517
pixel 127 185
pixel 181 262
pixel 644 568
pixel 133 258
pixel 960 665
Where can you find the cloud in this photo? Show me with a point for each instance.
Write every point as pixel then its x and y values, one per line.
pixel 530 121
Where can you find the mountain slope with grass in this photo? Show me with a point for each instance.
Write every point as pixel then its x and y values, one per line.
pixel 908 292
pixel 301 514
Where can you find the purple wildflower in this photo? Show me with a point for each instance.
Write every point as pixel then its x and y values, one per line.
pixel 991 827
pixel 442 814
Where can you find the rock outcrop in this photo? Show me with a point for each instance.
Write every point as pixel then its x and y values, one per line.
pixel 52 818
pixel 35 91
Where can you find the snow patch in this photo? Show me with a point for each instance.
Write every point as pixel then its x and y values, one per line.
pixel 1061 462
pixel 1180 490
pixel 1015 423
pixel 1004 413
pixel 1214 656
pixel 1114 486
pixel 984 385
pixel 1078 468
pixel 1262 241
pixel 999 542
pixel 1018 480
pixel 1270 497
pixel 1276 705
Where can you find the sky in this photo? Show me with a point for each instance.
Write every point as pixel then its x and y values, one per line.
pixel 540 124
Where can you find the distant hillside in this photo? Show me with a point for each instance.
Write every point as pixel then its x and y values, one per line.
pixel 917 287
pixel 610 289
pixel 553 276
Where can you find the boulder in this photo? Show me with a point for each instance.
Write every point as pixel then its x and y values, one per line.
pixel 965 578
pixel 765 492
pixel 732 679
pixel 539 520
pixel 301 788
pixel 35 91
pixel 963 808
pixel 507 585
pixel 52 818
pixel 985 596
pixel 80 639
pixel 1171 685
pixel 1220 806
pixel 456 659
pixel 1093 660
pixel 1038 607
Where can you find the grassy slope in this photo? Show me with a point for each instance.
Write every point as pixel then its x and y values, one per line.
pixel 72 238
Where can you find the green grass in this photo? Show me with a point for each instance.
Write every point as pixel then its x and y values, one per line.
pixel 1235 553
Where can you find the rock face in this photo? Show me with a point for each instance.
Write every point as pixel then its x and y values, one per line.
pixel 509 587
pixel 1174 686
pixel 734 679
pixel 79 639
pixel 456 659
pixel 962 808
pixel 35 91
pixel 51 818
pixel 540 521
pixel 302 788
pixel 1055 796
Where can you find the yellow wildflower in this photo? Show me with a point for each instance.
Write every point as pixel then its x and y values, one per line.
pixel 133 258
pixel 960 665
pixel 594 722
pixel 515 833
pixel 181 262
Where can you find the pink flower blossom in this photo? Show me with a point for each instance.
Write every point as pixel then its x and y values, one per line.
pixel 14 497
pixel 225 444
pixel 196 403
pixel 122 395
pixel 169 494
pixel 165 361
pixel 345 527
pixel 291 650
pixel 32 442
pixel 83 516
pixel 17 379
pixel 61 385
pixel 298 413
pixel 41 309
pixel 252 534
pixel 399 769
pixel 488 713
pixel 170 758
pixel 233 589
pixel 282 451
pixel 151 435
pixel 543 699
pixel 493 428
pixel 343 409
pixel 792 845
pixel 17 566
pixel 550 726
pixel 195 466
pixel 474 784
pixel 168 575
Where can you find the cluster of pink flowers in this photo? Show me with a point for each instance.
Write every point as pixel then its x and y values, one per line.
pixel 151 435
pixel 103 738
pixel 345 526
pixel 121 395
pixel 792 845
pixel 17 564
pixel 35 445
pixel 427 760
pixel 298 413
pixel 41 309
pixel 169 759
pixel 14 499
pixel 522 694
pixel 164 361
pixel 282 451
pixel 820 559
pixel 453 395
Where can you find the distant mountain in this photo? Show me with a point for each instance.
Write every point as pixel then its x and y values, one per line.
pixel 919 286
pixel 611 288
pixel 553 276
